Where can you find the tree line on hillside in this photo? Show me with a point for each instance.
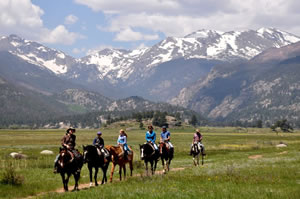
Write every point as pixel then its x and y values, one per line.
pixel 97 119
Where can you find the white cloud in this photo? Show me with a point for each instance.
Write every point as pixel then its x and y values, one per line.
pixel 23 18
pixel 61 35
pixel 178 18
pixel 79 50
pixel 130 35
pixel 71 19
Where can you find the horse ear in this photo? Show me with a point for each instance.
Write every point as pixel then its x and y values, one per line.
pixel 83 146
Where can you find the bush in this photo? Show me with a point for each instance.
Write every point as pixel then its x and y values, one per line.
pixel 10 176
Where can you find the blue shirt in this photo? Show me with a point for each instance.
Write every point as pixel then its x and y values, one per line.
pixel 150 136
pixel 122 139
pixel 165 135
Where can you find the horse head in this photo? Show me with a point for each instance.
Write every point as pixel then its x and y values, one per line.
pixel 89 153
pixel 65 157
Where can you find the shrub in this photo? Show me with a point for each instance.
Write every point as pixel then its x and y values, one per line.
pixel 10 176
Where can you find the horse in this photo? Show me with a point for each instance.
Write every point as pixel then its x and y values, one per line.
pixel 93 160
pixel 115 152
pixel 149 154
pixel 166 155
pixel 195 152
pixel 67 164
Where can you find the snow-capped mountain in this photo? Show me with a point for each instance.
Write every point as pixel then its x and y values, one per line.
pixel 158 72
pixel 266 88
pixel 202 44
pixel 37 54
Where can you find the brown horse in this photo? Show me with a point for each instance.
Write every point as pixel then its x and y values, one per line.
pixel 67 164
pixel 115 152
pixel 166 155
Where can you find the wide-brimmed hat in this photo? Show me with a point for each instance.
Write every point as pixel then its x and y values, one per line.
pixel 71 128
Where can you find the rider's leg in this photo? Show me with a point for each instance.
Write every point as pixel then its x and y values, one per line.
pixel 155 146
pixel 56 164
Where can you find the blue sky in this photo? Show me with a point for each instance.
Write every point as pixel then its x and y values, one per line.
pixel 81 27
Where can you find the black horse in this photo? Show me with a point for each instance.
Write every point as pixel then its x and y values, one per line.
pixel 149 154
pixel 166 155
pixel 68 164
pixel 195 152
pixel 94 160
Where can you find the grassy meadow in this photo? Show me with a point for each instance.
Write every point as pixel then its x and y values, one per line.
pixel 239 164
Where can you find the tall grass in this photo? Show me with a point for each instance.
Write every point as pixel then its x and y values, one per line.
pixel 227 173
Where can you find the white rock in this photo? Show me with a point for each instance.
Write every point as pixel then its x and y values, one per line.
pixel 18 155
pixel 281 145
pixel 47 152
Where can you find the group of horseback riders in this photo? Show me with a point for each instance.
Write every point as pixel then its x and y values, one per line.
pixel 69 142
pixel 165 137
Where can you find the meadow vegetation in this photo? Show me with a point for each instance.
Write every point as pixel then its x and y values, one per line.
pixel 240 163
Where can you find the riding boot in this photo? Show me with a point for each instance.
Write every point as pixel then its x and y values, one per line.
pixel 55 167
pixel 56 164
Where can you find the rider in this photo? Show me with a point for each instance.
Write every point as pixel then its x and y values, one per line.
pixel 122 141
pixel 151 137
pixel 165 138
pixel 98 142
pixel 68 142
pixel 198 139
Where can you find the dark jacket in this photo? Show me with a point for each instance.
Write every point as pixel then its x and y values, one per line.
pixel 69 140
pixel 98 142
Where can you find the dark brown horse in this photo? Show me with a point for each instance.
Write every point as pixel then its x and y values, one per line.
pixel 166 155
pixel 94 160
pixel 149 154
pixel 68 165
pixel 116 158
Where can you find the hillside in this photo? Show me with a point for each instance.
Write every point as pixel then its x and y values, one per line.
pixel 265 88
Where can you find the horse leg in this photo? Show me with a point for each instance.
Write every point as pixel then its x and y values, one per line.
pixel 163 164
pixel 124 169
pixel 91 175
pixel 76 177
pixel 67 181
pixel 202 159
pixel 95 177
pixel 131 166
pixel 104 169
pixel 120 171
pixel 152 169
pixel 146 165
pixel 112 172
pixel 194 161
pixel 155 164
pixel 64 181
pixel 104 174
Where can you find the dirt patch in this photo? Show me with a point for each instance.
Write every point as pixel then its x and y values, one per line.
pixel 283 152
pixel 255 156
pixel 87 185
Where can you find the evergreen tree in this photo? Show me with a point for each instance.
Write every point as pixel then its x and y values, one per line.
pixel 193 120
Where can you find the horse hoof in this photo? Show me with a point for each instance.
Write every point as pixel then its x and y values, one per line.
pixel 91 184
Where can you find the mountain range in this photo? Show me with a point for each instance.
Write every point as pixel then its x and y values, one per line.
pixel 174 70
pixel 266 88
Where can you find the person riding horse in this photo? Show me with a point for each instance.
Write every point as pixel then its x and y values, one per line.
pixel 165 138
pixel 198 140
pixel 98 142
pixel 151 137
pixel 122 142
pixel 69 142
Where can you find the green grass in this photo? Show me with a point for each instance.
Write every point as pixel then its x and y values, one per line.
pixel 227 173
